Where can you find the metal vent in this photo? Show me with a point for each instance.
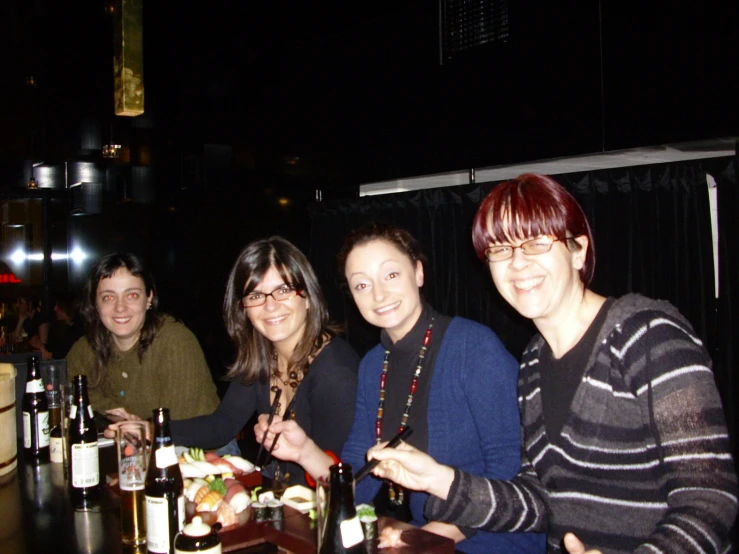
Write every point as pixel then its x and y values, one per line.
pixel 468 24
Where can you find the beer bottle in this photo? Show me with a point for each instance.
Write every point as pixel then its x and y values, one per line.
pixel 35 414
pixel 165 501
pixel 84 468
pixel 342 530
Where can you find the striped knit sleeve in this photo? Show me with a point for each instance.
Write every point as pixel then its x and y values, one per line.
pixel 493 505
pixel 669 370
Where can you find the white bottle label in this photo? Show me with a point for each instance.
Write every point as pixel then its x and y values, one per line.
pixel 85 467
pixel 56 445
pixel 72 412
pixel 26 430
pixel 166 457
pixel 37 385
pixel 157 522
pixel 351 532
pixel 42 435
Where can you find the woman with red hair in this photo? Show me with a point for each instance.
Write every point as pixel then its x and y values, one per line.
pixel 625 442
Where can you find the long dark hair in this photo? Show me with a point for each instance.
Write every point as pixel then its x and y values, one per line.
pixel 254 357
pixel 98 336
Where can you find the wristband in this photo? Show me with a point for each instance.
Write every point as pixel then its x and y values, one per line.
pixel 312 482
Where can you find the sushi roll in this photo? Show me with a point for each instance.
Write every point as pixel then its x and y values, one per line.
pixel 259 511
pixel 275 510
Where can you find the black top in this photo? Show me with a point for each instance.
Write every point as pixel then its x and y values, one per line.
pixel 324 407
pixel 402 365
pixel 560 378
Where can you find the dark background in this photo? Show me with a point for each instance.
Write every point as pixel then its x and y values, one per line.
pixel 253 107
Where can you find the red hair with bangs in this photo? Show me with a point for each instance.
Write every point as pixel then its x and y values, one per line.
pixel 529 206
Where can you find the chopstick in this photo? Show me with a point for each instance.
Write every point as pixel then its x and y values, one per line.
pixel 272 412
pixel 277 436
pixel 369 466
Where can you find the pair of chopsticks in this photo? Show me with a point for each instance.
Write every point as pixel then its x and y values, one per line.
pixel 369 466
pixel 272 412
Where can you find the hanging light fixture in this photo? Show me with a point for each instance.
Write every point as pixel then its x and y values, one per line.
pixel 111 151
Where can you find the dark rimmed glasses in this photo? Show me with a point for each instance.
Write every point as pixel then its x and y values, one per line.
pixel 503 252
pixel 255 298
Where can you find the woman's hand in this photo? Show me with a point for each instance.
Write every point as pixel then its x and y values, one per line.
pixel 293 445
pixel 409 467
pixel 575 545
pixel 117 415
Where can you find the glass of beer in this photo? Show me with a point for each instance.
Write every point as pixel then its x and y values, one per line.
pixel 132 457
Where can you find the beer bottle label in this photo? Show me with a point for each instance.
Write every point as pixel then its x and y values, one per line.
pixel 351 532
pixel 56 445
pixel 85 468
pixel 42 420
pixel 165 457
pixel 26 430
pixel 37 385
pixel 157 524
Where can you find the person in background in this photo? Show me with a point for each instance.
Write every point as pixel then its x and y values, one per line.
pixel 67 329
pixel 32 326
pixel 449 379
pixel 135 358
pixel 626 446
pixel 276 316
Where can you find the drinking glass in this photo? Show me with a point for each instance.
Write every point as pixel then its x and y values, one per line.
pixel 132 458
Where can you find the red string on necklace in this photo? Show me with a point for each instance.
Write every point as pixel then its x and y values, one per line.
pixel 397 496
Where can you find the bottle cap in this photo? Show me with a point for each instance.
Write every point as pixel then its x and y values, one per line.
pixel 196 528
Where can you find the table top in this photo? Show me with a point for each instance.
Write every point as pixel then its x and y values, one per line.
pixel 37 518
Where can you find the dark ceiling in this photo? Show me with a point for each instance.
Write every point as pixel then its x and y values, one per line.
pixel 343 93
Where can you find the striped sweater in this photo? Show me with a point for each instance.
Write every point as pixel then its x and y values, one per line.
pixel 642 464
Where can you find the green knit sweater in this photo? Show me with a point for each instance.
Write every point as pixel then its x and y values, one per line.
pixel 173 374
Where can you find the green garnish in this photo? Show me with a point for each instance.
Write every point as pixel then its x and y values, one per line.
pixel 218 485
pixel 365 510
pixel 312 514
pixel 254 492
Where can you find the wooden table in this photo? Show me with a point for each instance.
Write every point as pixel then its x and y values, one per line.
pixel 36 518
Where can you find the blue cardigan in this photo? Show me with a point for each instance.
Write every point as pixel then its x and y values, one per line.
pixel 473 422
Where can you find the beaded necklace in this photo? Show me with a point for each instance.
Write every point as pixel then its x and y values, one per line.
pixel 293 379
pixel 395 492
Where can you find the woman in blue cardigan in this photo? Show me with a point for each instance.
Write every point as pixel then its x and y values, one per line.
pixel 450 379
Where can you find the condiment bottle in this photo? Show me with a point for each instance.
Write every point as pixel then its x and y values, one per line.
pixel 343 531
pixel 35 414
pixel 165 501
pixel 197 537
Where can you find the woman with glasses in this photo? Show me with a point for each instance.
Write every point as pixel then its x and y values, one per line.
pixel 276 315
pixel 625 442
pixel 449 379
pixel 136 358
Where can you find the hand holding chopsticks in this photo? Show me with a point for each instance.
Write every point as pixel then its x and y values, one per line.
pixel 288 415
pixel 369 466
pixel 272 412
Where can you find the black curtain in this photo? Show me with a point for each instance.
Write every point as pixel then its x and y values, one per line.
pixel 726 354
pixel 652 232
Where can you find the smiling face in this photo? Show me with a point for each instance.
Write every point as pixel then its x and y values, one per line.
pixel 385 285
pixel 122 302
pixel 543 287
pixel 282 323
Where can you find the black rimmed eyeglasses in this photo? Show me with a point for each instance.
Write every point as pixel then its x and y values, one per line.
pixel 256 298
pixel 503 252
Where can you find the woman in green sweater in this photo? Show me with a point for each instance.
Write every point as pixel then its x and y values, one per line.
pixel 135 358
